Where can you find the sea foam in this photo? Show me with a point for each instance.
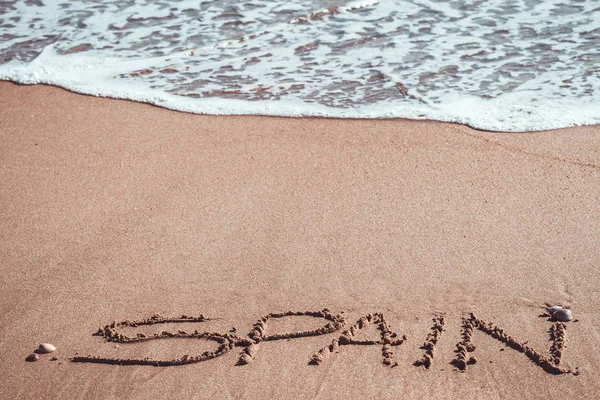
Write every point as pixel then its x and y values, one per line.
pixel 494 65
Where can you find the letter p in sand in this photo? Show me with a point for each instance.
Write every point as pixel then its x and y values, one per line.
pixel 258 334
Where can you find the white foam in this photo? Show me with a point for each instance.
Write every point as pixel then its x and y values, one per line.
pixel 491 65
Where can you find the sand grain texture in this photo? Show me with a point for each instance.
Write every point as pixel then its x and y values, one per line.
pixel 116 211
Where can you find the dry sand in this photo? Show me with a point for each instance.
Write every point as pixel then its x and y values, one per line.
pixel 112 210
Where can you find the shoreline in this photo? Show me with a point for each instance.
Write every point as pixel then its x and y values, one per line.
pixel 117 210
pixel 153 103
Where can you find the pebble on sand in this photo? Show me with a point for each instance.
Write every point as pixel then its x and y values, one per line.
pixel 46 348
pixel 32 357
pixel 562 315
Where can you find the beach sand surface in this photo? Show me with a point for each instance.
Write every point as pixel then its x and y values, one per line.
pixel 114 210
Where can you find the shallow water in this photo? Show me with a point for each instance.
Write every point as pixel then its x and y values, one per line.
pixel 494 64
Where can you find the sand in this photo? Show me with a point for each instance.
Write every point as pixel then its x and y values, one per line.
pixel 113 211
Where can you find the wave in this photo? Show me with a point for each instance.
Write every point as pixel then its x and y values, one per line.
pixel 492 65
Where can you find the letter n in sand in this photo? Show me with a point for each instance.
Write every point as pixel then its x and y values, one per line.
pixel 550 363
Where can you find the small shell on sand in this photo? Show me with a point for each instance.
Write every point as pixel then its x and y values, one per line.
pixel 46 348
pixel 563 315
pixel 553 309
pixel 32 357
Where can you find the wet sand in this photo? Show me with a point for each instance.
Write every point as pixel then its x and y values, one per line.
pixel 113 211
